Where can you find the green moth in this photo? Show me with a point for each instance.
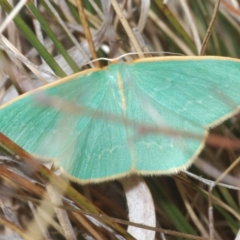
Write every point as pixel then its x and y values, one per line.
pixel 182 93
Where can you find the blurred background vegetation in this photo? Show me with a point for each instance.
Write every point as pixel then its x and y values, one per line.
pixel 46 40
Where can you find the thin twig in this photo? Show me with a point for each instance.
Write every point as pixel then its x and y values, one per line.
pixel 210 27
pixel 127 28
pixel 87 32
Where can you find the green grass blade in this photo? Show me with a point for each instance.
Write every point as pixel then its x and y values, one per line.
pixel 174 214
pixel 172 19
pixel 27 32
pixel 53 37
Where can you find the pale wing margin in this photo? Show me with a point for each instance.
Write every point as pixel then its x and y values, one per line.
pixel 204 91
pixel 32 124
pixel 157 153
pixel 101 151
